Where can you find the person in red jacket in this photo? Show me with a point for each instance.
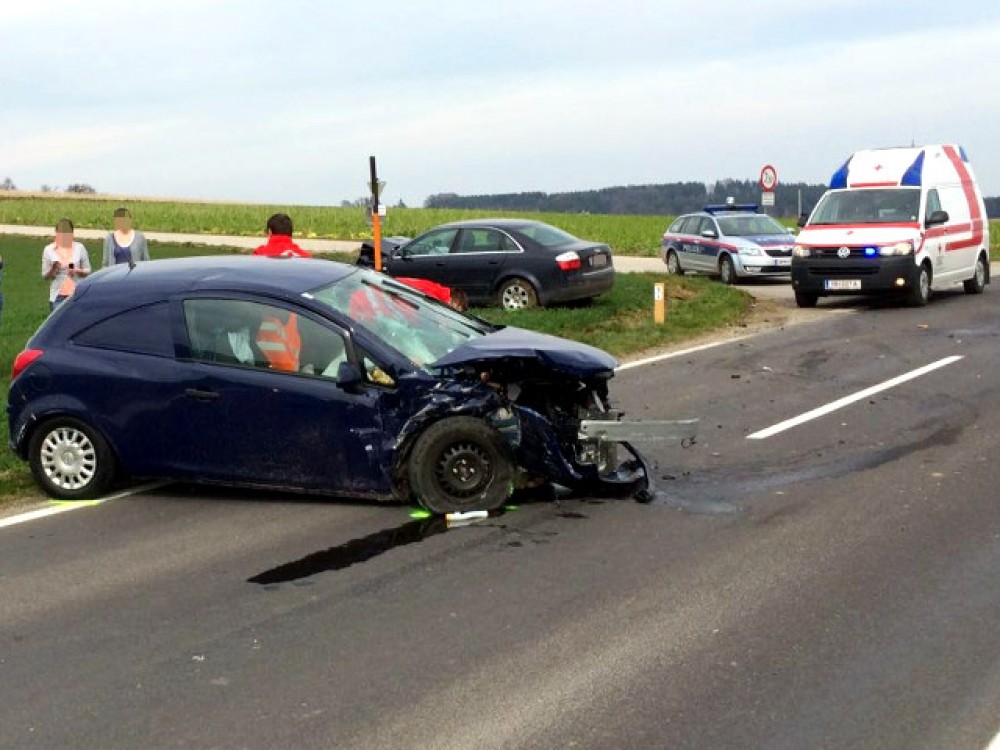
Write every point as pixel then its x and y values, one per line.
pixel 279 240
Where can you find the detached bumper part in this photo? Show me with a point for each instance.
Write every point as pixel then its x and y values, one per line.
pixel 676 430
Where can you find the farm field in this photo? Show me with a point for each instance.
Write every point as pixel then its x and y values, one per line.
pixel 620 322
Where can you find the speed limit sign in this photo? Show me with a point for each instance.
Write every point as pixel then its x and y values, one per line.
pixel 768 178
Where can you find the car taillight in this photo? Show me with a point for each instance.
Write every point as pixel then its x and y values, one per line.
pixel 569 261
pixel 22 360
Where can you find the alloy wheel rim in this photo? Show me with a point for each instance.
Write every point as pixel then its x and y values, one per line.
pixel 515 297
pixel 68 458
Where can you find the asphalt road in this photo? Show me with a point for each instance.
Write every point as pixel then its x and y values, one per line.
pixel 833 585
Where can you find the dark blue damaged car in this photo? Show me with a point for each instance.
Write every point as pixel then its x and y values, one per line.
pixel 170 369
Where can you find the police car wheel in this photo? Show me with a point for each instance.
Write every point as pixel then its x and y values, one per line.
pixel 674 264
pixel 727 273
pixel 460 464
pixel 70 460
pixel 977 284
pixel 920 295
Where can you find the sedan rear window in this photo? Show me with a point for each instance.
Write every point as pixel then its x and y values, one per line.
pixel 547 235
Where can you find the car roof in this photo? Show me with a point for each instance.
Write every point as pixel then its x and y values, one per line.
pixel 275 276
pixel 499 223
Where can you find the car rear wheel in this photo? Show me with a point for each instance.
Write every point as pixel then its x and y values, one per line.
pixel 674 263
pixel 460 464
pixel 977 284
pixel 727 273
pixel 517 294
pixel 70 460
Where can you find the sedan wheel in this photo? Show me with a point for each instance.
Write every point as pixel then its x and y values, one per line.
pixel 517 294
pixel 460 464
pixel 70 460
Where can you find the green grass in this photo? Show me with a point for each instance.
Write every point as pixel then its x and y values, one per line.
pixel 620 322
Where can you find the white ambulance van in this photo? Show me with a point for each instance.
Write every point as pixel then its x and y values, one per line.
pixel 895 220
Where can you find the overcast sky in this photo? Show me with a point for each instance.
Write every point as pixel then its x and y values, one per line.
pixel 271 101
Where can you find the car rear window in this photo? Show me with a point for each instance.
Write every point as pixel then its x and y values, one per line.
pixel 546 235
pixel 141 330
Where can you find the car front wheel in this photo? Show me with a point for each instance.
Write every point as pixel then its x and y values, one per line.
pixel 727 273
pixel 70 460
pixel 460 464
pixel 920 295
pixel 517 294
pixel 977 284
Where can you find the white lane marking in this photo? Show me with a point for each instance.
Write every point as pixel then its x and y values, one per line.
pixel 995 745
pixel 681 353
pixel 842 402
pixel 66 506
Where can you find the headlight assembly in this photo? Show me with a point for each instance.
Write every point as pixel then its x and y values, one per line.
pixel 900 248
pixel 801 251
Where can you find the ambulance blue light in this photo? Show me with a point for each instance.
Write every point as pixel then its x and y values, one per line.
pixel 914 175
pixel 839 179
pixel 871 251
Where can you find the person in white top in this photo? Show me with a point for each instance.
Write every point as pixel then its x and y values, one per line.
pixel 63 262
pixel 125 244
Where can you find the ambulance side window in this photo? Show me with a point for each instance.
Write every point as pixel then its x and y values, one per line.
pixel 933 202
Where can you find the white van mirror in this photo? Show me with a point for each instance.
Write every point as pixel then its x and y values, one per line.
pixel 936 217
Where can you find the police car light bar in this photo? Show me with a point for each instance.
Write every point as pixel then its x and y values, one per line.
pixel 720 208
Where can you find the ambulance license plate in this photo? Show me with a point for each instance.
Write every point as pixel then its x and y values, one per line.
pixel 842 284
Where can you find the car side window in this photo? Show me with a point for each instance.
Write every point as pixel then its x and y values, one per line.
pixel 434 243
pixel 480 241
pixel 707 225
pixel 675 228
pixel 933 202
pixel 142 330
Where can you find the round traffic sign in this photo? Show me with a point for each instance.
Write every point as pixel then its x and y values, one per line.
pixel 768 178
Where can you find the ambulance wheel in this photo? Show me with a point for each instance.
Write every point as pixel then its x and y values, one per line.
pixel 674 264
pixel 977 284
pixel 460 464
pixel 806 299
pixel 727 273
pixel 920 295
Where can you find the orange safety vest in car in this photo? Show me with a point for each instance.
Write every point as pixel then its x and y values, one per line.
pixel 281 343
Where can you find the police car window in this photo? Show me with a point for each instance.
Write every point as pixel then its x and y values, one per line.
pixel 142 330
pixel 749 225
pixel 675 228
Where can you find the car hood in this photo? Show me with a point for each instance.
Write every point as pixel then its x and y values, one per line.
pixel 770 240
pixel 856 235
pixel 551 352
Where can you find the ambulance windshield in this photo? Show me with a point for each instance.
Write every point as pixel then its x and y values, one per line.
pixel 868 206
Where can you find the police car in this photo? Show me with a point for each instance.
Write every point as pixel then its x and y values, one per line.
pixel 731 241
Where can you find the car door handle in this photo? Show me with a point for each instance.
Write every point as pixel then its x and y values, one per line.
pixel 200 395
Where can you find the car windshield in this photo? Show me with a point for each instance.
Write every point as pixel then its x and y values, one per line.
pixel 418 327
pixel 868 206
pixel 547 235
pixel 749 225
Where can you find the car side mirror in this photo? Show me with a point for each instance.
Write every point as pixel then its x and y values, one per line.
pixel 936 217
pixel 349 377
pixel 803 219
pixel 710 234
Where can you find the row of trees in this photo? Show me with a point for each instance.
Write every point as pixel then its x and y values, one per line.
pixel 77 187
pixel 666 199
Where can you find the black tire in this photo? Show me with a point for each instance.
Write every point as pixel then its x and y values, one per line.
pixel 977 284
pixel 460 464
pixel 674 263
pixel 727 272
pixel 806 299
pixel 517 294
pixel 920 295
pixel 70 459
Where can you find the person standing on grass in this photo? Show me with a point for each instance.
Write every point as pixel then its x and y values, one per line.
pixel 124 244
pixel 279 240
pixel 63 262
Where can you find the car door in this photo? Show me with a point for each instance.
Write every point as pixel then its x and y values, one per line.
pixel 693 247
pixel 477 259
pixel 427 257
pixel 234 419
pixel 708 244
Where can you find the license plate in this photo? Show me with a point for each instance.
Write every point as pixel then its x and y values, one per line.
pixel 598 260
pixel 782 261
pixel 841 284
